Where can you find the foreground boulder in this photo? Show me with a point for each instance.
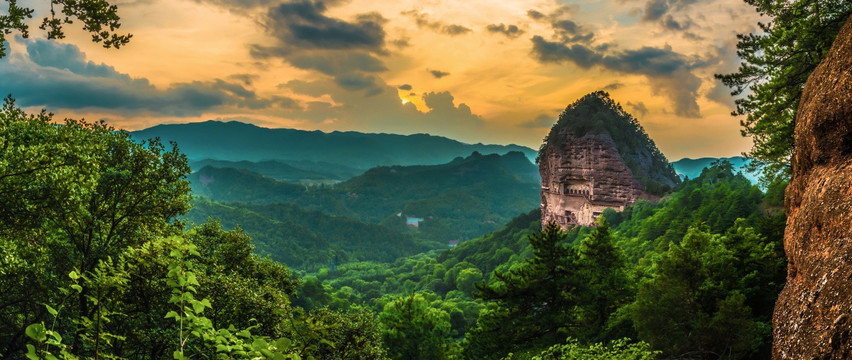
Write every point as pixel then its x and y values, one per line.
pixel 813 315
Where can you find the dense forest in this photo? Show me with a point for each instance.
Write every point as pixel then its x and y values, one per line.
pixel 116 275
pixel 105 253
pixel 385 213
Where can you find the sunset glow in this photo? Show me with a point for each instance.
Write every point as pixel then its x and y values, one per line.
pixel 476 71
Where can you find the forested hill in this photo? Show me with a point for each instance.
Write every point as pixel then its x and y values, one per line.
pixel 238 141
pixel 464 198
pixel 598 114
pixel 692 275
pixel 692 168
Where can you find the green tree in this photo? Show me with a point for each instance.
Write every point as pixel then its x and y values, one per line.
pixel 621 349
pixel 337 335
pixel 413 329
pixel 99 17
pixel 691 306
pixel 72 196
pixel 776 63
pixel 533 304
pixel 603 270
pixel 467 279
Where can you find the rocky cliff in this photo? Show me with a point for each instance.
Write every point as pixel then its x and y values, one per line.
pixel 596 157
pixel 813 315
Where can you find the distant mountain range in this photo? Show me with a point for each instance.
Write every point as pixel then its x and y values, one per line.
pixel 692 168
pixel 236 141
pixel 461 199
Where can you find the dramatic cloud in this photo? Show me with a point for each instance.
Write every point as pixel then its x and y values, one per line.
pixel 338 63
pixel 302 24
pixel 639 108
pixel 438 73
pixel 670 23
pixel 246 79
pixel 511 31
pixel 670 74
pixel 660 10
pixel 422 20
pixel 355 65
pixel 613 86
pixel 58 75
pixel 384 111
pixel 443 112
pixel 558 52
pixel 536 15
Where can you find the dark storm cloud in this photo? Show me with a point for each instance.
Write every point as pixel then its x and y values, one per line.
pixel 58 76
pixel 405 87
pixel 422 20
pixel 511 31
pixel 669 72
pixel 438 73
pixel 302 24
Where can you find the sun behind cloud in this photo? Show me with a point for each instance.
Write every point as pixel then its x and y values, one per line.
pixel 473 70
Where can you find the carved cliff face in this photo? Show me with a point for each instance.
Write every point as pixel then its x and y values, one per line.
pixel 581 177
pixel 813 315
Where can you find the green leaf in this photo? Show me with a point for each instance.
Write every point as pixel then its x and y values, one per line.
pixel 51 310
pixel 37 332
pixel 172 314
pixel 324 341
pixel 31 352
pixel 73 275
pixel 283 343
pixel 191 279
pixel 77 287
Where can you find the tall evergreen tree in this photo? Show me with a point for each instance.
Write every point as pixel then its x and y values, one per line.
pixel 776 63
pixel 533 303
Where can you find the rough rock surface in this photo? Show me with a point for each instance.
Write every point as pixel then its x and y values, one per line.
pixel 582 178
pixel 813 315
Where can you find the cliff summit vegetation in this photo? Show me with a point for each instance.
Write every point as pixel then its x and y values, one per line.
pixel 597 114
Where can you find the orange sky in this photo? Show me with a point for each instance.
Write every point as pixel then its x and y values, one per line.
pixel 473 70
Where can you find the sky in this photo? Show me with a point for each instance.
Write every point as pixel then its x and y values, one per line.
pixel 472 70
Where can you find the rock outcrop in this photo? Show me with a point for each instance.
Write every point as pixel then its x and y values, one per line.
pixel 597 157
pixel 813 315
